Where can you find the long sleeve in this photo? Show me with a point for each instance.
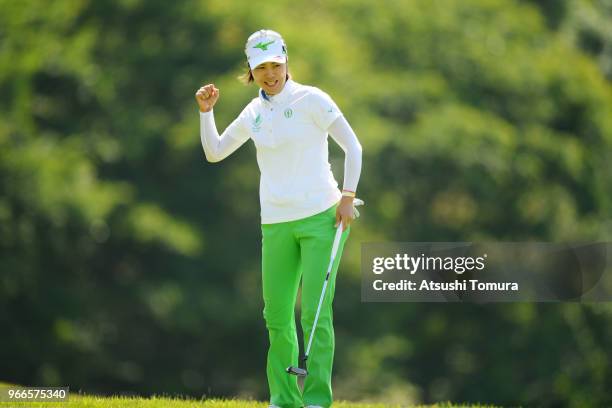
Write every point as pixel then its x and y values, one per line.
pixel 217 148
pixel 343 134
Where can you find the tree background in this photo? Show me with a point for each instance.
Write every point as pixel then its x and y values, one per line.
pixel 128 264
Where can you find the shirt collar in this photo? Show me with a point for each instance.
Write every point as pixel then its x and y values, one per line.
pixel 282 96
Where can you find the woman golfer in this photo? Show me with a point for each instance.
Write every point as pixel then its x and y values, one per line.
pixel 300 207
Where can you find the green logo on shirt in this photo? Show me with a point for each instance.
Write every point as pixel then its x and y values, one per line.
pixel 257 123
pixel 331 109
pixel 263 46
pixel 288 113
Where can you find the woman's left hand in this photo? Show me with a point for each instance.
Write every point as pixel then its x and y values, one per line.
pixel 345 212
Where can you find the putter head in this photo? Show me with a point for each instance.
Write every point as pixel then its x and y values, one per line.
pixel 300 372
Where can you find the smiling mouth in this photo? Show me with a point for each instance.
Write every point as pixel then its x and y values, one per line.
pixel 273 83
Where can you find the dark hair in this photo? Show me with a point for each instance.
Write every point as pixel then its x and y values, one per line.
pixel 247 77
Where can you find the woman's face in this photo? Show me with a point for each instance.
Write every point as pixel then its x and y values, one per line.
pixel 270 76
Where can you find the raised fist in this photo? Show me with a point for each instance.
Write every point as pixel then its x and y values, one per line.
pixel 207 97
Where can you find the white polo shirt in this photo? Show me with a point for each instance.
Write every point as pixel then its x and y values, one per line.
pixel 290 133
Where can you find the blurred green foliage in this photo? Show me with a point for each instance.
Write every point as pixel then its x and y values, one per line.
pixel 128 263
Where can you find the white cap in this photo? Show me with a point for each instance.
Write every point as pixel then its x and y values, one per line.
pixel 265 46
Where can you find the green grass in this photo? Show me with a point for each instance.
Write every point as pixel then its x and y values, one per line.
pixel 86 401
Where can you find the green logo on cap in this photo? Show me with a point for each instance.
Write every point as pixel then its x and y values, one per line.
pixel 263 46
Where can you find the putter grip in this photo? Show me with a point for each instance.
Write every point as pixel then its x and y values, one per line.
pixel 337 240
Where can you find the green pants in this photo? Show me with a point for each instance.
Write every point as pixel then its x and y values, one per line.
pixel 291 250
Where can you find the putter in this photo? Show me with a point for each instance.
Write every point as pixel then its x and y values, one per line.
pixel 303 372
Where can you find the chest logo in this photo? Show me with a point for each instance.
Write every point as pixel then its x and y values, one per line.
pixel 288 113
pixel 257 123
